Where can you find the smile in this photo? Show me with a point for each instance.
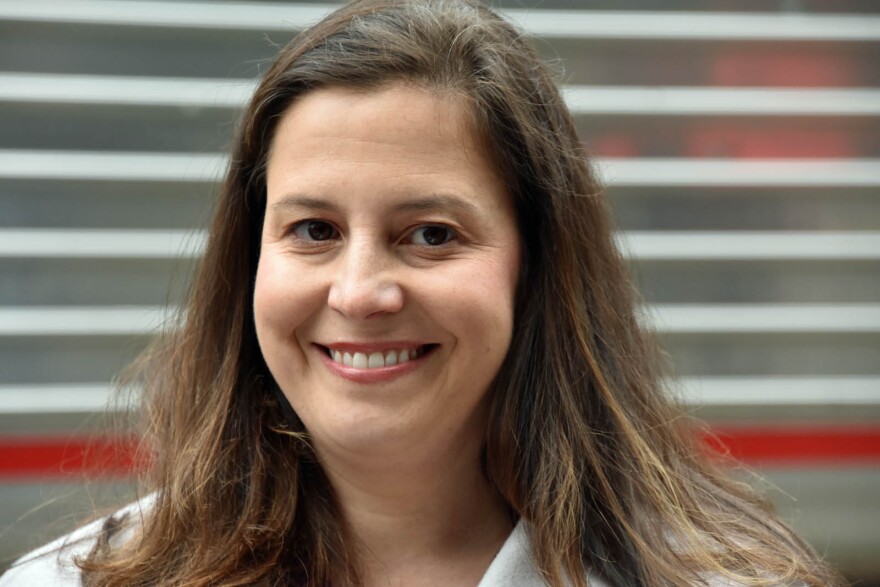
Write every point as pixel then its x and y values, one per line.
pixel 367 357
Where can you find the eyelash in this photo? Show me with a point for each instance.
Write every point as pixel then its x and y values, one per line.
pixel 296 228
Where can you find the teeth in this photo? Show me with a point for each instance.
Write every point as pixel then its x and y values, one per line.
pixel 374 360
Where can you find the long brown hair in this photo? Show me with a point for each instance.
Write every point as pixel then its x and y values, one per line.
pixel 582 440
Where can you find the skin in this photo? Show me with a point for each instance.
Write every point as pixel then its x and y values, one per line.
pixel 387 226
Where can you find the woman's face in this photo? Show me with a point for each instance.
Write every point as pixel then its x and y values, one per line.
pixel 385 289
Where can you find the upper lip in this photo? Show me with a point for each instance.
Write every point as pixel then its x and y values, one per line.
pixel 373 347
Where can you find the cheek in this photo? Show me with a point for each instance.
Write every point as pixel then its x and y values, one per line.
pixel 503 292
pixel 482 305
pixel 266 294
pixel 282 304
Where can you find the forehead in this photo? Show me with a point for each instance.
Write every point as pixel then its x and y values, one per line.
pixel 398 134
pixel 389 113
pixel 372 109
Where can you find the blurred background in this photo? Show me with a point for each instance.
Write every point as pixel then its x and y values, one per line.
pixel 740 142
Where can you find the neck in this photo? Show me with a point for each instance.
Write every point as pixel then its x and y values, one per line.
pixel 423 521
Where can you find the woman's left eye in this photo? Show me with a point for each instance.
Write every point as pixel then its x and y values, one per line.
pixel 432 236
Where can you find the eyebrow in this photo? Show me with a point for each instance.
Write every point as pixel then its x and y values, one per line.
pixel 432 202
pixel 436 202
pixel 300 201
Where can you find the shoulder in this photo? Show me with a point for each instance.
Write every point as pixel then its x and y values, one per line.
pixel 514 565
pixel 53 565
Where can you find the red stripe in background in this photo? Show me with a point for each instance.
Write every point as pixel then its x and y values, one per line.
pixel 50 458
pixel 800 446
pixel 54 458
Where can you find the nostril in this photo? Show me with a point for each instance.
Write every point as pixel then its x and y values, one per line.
pixel 366 297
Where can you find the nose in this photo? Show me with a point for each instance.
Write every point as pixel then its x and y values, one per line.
pixel 364 284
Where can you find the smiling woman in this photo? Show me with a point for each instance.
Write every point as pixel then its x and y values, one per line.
pixel 383 310
pixel 411 355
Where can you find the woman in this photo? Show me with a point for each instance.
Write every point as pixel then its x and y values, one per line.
pixel 411 355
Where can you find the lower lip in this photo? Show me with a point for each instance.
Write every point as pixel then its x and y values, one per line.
pixel 377 375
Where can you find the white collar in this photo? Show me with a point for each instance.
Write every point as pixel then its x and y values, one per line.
pixel 513 565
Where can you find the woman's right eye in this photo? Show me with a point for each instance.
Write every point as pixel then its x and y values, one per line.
pixel 314 230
